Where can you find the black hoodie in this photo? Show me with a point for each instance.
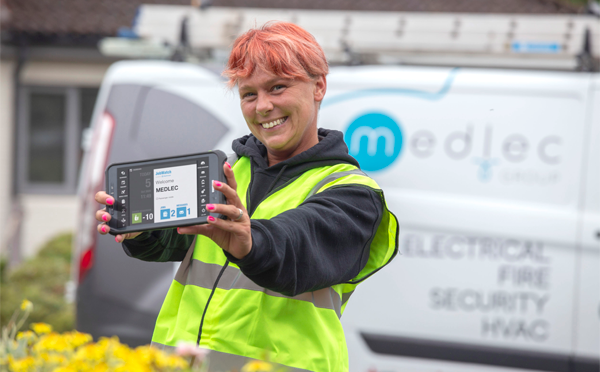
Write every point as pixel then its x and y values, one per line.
pixel 322 242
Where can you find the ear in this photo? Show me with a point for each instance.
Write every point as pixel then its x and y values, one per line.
pixel 320 88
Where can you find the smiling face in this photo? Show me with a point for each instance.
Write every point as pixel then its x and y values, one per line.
pixel 282 113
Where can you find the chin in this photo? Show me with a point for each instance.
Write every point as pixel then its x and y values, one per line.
pixel 277 144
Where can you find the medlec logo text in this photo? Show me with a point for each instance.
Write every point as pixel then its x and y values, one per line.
pixel 170 188
pixel 375 140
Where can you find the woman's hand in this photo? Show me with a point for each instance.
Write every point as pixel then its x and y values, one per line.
pixel 103 216
pixel 233 235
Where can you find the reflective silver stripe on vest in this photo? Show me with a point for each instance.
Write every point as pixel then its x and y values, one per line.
pixel 203 275
pixel 184 268
pixel 332 177
pixel 232 158
pixel 220 361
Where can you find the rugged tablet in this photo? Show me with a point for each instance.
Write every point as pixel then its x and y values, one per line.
pixel 163 193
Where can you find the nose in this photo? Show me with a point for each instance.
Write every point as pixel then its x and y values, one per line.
pixel 263 105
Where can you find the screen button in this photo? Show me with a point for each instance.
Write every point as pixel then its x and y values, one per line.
pixel 136 218
pixel 181 212
pixel 121 204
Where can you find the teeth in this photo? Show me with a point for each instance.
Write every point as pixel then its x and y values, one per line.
pixel 273 123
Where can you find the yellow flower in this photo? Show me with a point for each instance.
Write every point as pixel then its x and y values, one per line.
pixel 52 342
pixel 22 365
pixel 91 353
pixel 26 305
pixel 257 366
pixel 76 352
pixel 41 328
pixel 26 334
pixel 76 339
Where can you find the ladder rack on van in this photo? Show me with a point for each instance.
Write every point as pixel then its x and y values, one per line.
pixel 492 40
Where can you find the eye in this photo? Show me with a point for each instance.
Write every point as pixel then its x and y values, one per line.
pixel 278 87
pixel 247 95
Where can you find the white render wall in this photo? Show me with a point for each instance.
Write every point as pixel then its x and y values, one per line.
pixel 6 149
pixel 41 217
pixel 64 74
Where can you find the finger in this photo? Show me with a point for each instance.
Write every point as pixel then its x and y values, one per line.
pixel 230 176
pixel 231 211
pixel 103 228
pixel 229 226
pixel 103 198
pixel 195 230
pixel 102 216
pixel 119 238
pixel 230 194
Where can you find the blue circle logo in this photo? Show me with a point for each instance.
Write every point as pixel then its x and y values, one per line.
pixel 375 140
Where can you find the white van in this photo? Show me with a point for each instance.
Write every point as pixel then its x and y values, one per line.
pixel 494 176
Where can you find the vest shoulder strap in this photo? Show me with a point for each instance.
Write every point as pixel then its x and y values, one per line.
pixel 332 177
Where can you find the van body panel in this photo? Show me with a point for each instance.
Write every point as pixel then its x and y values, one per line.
pixel 486 187
pixel 587 319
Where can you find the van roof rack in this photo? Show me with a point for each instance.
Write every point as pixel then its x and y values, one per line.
pixel 557 42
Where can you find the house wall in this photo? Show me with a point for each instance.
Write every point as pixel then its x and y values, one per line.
pixel 6 148
pixel 44 216
pixel 64 73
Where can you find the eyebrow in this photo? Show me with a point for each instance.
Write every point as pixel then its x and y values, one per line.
pixel 269 82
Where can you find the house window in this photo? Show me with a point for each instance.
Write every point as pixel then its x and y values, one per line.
pixel 51 123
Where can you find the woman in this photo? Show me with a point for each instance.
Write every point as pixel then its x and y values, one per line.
pixel 304 225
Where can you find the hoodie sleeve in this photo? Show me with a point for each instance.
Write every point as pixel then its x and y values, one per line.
pixel 322 242
pixel 158 246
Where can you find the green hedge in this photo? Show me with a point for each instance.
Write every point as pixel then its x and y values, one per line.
pixel 41 280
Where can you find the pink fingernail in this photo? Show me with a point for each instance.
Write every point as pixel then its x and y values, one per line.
pixel 229 165
pixel 178 232
pixel 211 218
pixel 116 239
pixel 105 217
pixel 217 183
pixel 210 207
pixel 103 229
pixel 110 201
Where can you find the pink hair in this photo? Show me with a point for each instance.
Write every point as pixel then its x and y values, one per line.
pixel 282 48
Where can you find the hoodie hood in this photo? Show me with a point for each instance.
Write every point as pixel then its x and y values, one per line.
pixel 330 150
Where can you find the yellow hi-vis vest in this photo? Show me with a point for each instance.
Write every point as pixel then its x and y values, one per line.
pixel 241 318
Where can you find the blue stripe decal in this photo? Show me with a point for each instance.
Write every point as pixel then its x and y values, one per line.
pixel 329 101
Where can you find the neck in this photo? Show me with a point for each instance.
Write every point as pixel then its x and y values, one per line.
pixel 275 157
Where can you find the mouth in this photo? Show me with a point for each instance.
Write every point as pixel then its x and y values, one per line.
pixel 274 123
